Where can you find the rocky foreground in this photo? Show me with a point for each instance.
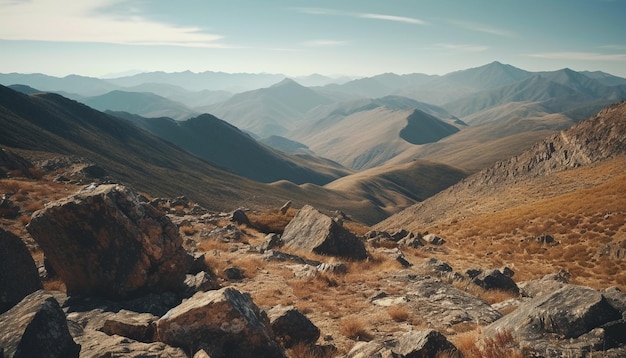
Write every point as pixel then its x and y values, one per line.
pixel 136 288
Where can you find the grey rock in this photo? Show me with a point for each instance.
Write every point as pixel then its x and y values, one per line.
pixel 19 276
pixel 437 266
pixel 225 318
pixel 568 313
pixel 373 349
pixel 137 326
pixel 96 344
pixel 36 327
pixel 201 282
pixel 102 241
pixel 427 343
pixel 546 285
pixel 239 216
pixel 315 232
pixel 434 239
pixel 337 268
pixel 291 326
pixel 496 280
pixel 234 273
pixel 275 255
pixel 272 241
pixel 285 207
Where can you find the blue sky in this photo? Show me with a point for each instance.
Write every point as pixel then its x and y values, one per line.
pixel 349 37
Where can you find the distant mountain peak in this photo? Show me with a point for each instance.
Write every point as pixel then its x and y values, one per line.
pixel 286 82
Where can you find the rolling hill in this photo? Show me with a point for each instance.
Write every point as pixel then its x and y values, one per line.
pixel 274 110
pixel 145 104
pixel 225 146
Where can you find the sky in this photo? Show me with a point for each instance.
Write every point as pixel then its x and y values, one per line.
pixel 109 38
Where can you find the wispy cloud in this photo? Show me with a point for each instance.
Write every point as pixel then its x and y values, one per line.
pixel 408 20
pixel 462 47
pixel 385 17
pixel 324 43
pixel 580 56
pixel 614 47
pixel 476 27
pixel 84 21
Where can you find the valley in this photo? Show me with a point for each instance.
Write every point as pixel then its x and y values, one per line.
pixel 378 208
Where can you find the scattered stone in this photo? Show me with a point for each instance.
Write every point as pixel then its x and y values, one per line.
pixel 291 326
pixel 434 239
pixel 272 241
pixel 239 216
pixel 427 343
pixel 395 254
pixel 225 318
pixel 496 280
pixel 7 208
pixel 36 325
pixel 315 232
pixel 437 266
pixel 96 344
pixel 473 273
pixel 104 242
pixel 546 285
pixel 285 207
pixel 138 326
pixel 373 349
pixel 203 281
pixel 19 276
pixel 399 235
pixel 234 273
pixel 545 239
pixel 336 268
pixel 275 255
pixel 411 240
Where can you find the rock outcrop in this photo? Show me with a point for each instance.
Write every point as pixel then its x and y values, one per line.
pixel 419 344
pixel 315 232
pixel 36 327
pixel 573 319
pixel 292 327
pixel 18 273
pixel 102 241
pixel 226 320
pixel 496 280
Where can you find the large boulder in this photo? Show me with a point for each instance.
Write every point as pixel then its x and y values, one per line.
pixel 315 232
pixel 291 326
pixel 428 343
pixel 103 241
pixel 18 273
pixel 496 280
pixel 36 327
pixel 569 312
pixel 226 320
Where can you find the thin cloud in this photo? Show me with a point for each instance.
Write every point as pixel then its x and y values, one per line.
pixel 408 20
pixel 472 26
pixel 580 56
pixel 463 47
pixel 614 47
pixel 83 21
pixel 324 43
pixel 371 16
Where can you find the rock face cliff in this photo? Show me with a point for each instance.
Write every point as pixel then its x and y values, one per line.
pixel 102 241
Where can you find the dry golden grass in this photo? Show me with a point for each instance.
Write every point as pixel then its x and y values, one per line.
pixel 398 313
pixel 355 328
pixel 188 230
pixel 471 345
pixel 490 296
pixel 271 220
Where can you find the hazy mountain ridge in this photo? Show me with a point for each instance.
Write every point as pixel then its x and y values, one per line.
pixel 594 140
pixel 146 104
pixel 224 145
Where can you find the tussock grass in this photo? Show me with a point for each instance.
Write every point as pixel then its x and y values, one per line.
pixel 355 328
pixel 471 345
pixel 271 220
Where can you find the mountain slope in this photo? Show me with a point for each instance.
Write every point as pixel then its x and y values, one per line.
pixel 226 146
pixel 85 86
pixel 142 103
pixel 597 139
pixel 269 111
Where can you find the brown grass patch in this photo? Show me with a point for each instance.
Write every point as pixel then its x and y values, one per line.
pixel 398 313
pixel 355 328
pixel 54 285
pixel 501 345
pixel 188 230
pixel 271 220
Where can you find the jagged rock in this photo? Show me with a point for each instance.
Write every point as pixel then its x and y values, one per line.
pixel 427 343
pixel 413 241
pixel 546 285
pixel 395 254
pixel 285 207
pixel 201 354
pixel 472 273
pixel 291 326
pixel 7 208
pixel 96 344
pixel 496 280
pixel 19 276
pixel 434 239
pixel 275 255
pixel 201 282
pixel 36 327
pixel 239 216
pixel 373 349
pixel 272 241
pixel 570 312
pixel 315 232
pixel 437 266
pixel 545 239
pixel 507 271
pixel 399 235
pixel 103 241
pixel 333 267
pixel 234 273
pixel 226 318
pixel 198 264
pixel 137 326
